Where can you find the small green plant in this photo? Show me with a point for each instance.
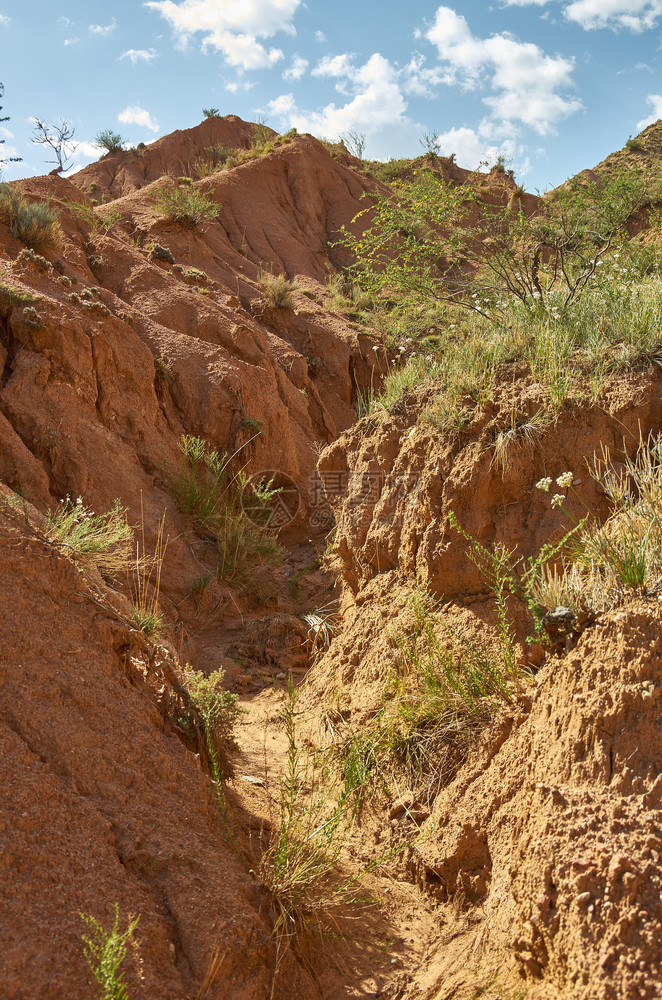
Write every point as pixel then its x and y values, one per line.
pixel 32 318
pixel 213 159
pixel 31 257
pixel 219 712
pixel 206 489
pixel 11 297
pixel 105 952
pixel 277 290
pixel 111 141
pixel 211 112
pixel 187 206
pixel 163 369
pixel 91 540
pixel 34 223
pixel 634 145
pixel 195 274
pixel 262 134
pixel 159 252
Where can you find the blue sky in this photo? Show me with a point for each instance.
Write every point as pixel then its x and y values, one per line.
pixel 552 85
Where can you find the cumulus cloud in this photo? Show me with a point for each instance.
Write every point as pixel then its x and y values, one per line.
pixel 655 100
pixel 103 30
pixel 233 29
pixel 528 85
pixel 376 100
pixel 296 69
pixel 135 115
pixel 72 41
pixel 4 20
pixel 136 56
pixel 631 15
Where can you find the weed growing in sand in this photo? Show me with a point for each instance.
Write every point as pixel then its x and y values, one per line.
pixel 300 866
pixel 187 205
pixel 145 580
pixel 277 290
pixel 105 952
pixel 443 693
pixel 10 297
pixel 219 712
pixel 206 488
pixel 91 540
pixel 34 223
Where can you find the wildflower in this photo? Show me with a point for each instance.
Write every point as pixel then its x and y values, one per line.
pixel 557 500
pixel 375 347
pixel 544 484
pixel 565 480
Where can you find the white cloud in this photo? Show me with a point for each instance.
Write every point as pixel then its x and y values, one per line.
pixel 5 133
pixel 655 100
pixel 71 41
pixel 634 15
pixel 64 22
pixel 238 86
pixel 135 115
pixel 4 20
pixel 527 83
pixel 139 55
pixel 320 37
pixel 296 70
pixel 104 30
pixel 376 99
pixel 234 28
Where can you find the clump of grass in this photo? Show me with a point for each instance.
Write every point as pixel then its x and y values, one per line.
pixel 277 290
pixel 300 866
pixel 620 556
pixel 105 952
pixel 187 206
pixel 91 540
pixel 443 693
pixel 145 580
pixel 34 223
pixel 207 490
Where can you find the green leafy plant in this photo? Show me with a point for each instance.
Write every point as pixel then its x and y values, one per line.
pixel 34 223
pixel 433 240
pixel 211 112
pixel 187 206
pixel 219 712
pixel 111 141
pixel 105 952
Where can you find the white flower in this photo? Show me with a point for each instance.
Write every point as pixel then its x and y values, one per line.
pixel 544 484
pixel 375 347
pixel 565 480
pixel 557 500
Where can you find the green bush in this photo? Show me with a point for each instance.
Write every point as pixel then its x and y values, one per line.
pixel 187 206
pixel 277 290
pixel 111 141
pixel 34 223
